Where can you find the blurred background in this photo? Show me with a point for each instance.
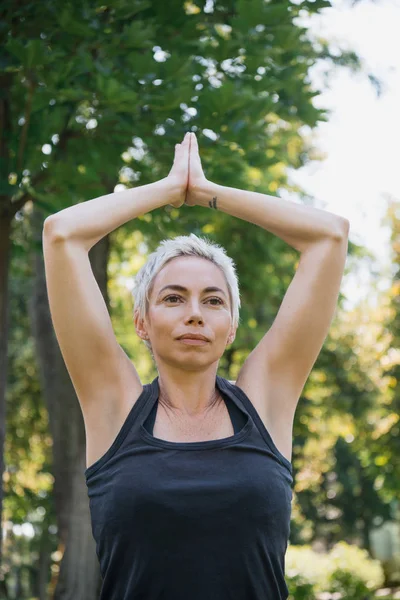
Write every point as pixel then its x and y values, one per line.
pixel 288 98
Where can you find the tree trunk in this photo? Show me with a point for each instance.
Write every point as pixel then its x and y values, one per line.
pixel 18 592
pixel 79 574
pixel 40 574
pixel 5 243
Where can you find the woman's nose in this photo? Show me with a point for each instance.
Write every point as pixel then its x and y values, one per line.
pixel 194 312
pixel 196 319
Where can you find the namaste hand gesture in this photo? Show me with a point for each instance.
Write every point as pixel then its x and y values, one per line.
pixel 187 171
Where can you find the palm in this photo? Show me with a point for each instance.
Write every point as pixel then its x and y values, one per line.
pixel 179 172
pixel 196 175
pixel 187 172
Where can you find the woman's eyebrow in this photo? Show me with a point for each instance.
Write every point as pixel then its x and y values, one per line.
pixel 181 288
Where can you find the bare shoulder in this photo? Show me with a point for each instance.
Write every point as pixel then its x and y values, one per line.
pixel 105 417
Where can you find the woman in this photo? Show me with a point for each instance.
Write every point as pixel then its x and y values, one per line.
pixel 189 477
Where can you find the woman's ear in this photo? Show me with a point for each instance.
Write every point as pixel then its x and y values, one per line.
pixel 140 327
pixel 231 337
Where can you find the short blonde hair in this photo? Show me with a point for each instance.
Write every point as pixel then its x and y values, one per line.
pixel 184 245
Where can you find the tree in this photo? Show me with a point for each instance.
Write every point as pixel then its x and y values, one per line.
pixel 91 87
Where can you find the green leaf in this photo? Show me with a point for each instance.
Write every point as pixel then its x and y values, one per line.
pixel 74 26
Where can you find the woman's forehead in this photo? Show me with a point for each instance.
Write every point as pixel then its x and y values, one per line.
pixel 190 272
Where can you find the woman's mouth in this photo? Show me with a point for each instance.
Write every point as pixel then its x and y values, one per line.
pixel 193 341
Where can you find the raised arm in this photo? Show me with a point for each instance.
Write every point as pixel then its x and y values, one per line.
pixel 298 225
pixel 275 372
pixel 105 380
pixel 90 221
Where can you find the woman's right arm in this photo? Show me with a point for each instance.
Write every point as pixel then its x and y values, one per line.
pixel 105 380
pixel 88 222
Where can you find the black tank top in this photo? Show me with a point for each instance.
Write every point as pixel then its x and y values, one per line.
pixel 201 520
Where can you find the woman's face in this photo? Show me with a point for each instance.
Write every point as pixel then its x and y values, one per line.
pixel 175 312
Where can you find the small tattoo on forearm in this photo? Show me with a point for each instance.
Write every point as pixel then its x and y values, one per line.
pixel 213 203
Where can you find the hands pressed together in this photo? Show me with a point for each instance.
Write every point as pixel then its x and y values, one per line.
pixel 187 172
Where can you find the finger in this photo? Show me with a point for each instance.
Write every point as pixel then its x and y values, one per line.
pixel 194 144
pixel 186 142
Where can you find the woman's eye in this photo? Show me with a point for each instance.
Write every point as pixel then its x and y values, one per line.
pixel 169 297
pixel 219 301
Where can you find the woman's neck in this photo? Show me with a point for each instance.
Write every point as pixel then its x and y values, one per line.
pixel 188 401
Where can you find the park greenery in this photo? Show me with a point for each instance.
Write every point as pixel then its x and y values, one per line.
pixel 94 98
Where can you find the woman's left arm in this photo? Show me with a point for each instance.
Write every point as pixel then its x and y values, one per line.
pixel 276 371
pixel 298 225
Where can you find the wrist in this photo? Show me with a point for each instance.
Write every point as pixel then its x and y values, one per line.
pixel 211 193
pixel 206 192
pixel 170 189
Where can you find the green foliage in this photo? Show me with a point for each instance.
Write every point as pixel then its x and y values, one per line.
pixel 348 583
pixel 347 569
pixel 354 572
pixel 299 588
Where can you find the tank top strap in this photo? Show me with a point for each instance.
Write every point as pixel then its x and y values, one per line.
pixel 237 417
pixel 151 419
